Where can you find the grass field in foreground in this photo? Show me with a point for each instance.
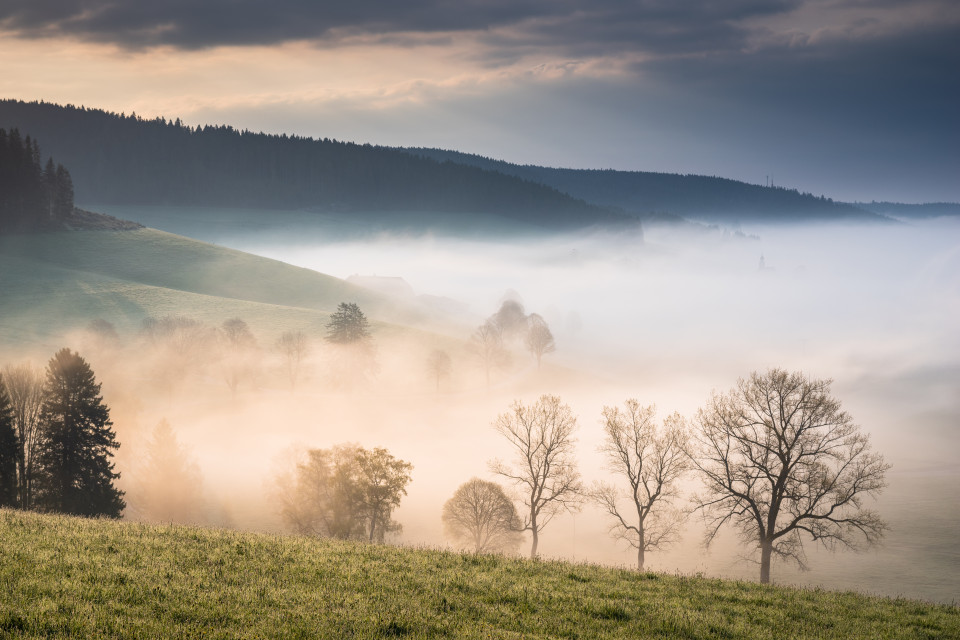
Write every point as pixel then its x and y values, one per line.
pixel 68 577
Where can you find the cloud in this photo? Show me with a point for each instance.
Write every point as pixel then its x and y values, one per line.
pixel 555 23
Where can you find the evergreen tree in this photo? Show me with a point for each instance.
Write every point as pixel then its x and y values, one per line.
pixel 75 474
pixel 9 451
pixel 348 325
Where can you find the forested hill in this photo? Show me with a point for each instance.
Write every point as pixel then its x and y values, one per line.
pixel 118 159
pixel 32 195
pixel 702 198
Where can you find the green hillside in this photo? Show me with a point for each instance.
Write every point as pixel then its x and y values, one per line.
pixel 54 282
pixel 66 577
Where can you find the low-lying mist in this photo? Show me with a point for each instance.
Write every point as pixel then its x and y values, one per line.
pixel 665 319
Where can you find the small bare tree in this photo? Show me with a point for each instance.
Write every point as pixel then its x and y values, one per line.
pixel 539 338
pixel 487 345
pixel 25 387
pixel 481 516
pixel 651 460
pixel 782 461
pixel 293 347
pixel 438 365
pixel 545 466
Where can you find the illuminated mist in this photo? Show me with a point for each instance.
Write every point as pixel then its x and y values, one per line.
pixel 665 319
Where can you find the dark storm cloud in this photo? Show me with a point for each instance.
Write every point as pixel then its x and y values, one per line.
pixel 597 25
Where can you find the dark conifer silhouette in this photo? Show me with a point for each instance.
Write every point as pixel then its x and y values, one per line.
pixel 9 450
pixel 31 197
pixel 75 474
pixel 348 325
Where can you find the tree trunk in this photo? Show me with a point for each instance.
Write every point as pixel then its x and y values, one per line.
pixel 766 550
pixel 533 547
pixel 641 543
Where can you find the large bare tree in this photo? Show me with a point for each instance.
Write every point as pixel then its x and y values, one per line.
pixel 651 460
pixel 481 516
pixel 782 462
pixel 25 387
pixel 545 467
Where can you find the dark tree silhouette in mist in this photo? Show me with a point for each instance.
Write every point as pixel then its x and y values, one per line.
pixel 781 462
pixel 31 196
pixel 438 365
pixel 353 353
pixel 539 338
pixel 9 451
pixel 348 325
pixel 486 343
pixel 75 474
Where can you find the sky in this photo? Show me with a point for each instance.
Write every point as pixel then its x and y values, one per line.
pixel 852 99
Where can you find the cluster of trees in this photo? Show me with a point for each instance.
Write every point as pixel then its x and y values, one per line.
pixel 56 440
pixel 510 326
pixel 171 347
pixel 125 159
pixel 33 195
pixel 345 492
pixel 779 460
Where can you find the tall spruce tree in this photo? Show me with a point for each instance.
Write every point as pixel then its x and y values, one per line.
pixel 75 474
pixel 9 451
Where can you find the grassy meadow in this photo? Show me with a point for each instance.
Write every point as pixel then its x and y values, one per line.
pixel 67 577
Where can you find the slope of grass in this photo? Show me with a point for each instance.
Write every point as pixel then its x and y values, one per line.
pixel 53 282
pixel 67 577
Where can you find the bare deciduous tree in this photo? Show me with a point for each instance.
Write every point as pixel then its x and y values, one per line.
pixel 438 365
pixel 487 344
pixel 545 467
pixel 293 347
pixel 25 387
pixel 651 460
pixel 238 353
pixel 539 338
pixel 481 516
pixel 782 461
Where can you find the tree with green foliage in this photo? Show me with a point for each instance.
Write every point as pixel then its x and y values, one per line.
pixel 353 356
pixel 9 451
pixel 781 461
pixel 75 474
pixel 345 492
pixel 481 517
pixel 348 325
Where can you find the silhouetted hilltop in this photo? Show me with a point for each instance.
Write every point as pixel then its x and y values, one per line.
pixel 702 198
pixel 120 159
pixel 900 210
